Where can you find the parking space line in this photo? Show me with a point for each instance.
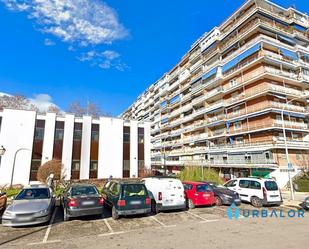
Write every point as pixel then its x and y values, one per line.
pixel 108 226
pixel 47 242
pixel 49 226
pixel 111 233
pixel 200 217
pixel 160 222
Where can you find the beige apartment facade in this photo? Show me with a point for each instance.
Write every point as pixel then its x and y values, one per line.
pixel 221 106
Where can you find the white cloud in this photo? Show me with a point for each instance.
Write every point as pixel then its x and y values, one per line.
pixel 42 101
pixel 77 21
pixel 48 42
pixel 105 60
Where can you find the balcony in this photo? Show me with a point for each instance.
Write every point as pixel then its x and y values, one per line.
pixel 216 118
pixel 214 92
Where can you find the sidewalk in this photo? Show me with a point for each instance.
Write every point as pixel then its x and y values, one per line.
pixel 299 197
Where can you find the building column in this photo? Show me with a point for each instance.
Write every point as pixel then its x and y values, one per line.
pixel 67 146
pixel 49 135
pixel 85 148
pixel 110 158
pixel 133 149
pixel 17 133
pixel 147 144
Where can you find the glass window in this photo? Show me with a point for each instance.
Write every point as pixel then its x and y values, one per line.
pixel 95 135
pixel 231 183
pixel 271 185
pixel 115 189
pixel 77 135
pixel 59 134
pixel 255 185
pixel 84 190
pixel 140 138
pixel 202 188
pixel 94 165
pixel 237 125
pixel 39 133
pixel 244 183
pixel 75 165
pixel 134 190
pixel 33 193
pixel 187 186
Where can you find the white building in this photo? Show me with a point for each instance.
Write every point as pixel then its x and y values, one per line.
pixel 88 147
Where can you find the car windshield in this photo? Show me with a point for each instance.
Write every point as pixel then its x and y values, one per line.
pixel 271 185
pixel 33 194
pixel 203 188
pixel 217 186
pixel 134 190
pixel 84 190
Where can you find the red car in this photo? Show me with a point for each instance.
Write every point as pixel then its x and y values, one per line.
pixel 198 194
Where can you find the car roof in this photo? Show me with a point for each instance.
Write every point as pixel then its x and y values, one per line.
pixel 194 183
pixel 81 185
pixel 161 178
pixel 36 186
pixel 127 181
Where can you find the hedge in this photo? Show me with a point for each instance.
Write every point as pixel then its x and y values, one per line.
pixel 302 185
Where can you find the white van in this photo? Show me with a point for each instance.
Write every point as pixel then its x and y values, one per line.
pixel 257 191
pixel 168 193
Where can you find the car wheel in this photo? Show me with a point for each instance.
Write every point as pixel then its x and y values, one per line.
pixel 218 201
pixel 115 214
pixel 154 207
pixel 65 215
pixel 256 202
pixel 190 204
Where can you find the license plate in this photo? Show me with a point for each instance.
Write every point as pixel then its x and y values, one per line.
pixel 274 196
pixel 135 202
pixel 24 218
pixel 86 203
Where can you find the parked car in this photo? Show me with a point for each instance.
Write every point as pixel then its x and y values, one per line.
pixel 33 205
pixel 198 194
pixel 305 204
pixel 224 196
pixel 81 200
pixel 3 200
pixel 126 198
pixel 257 191
pixel 168 193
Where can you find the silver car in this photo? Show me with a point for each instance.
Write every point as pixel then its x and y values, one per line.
pixel 33 205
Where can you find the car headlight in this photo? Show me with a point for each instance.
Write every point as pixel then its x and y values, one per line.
pixel 43 212
pixel 227 196
pixel 8 214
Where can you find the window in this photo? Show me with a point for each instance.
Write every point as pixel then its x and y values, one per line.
pixel 233 82
pixel 202 188
pixel 95 135
pixel 93 165
pixel 187 186
pixel 236 110
pixel 115 189
pixel 59 134
pixel 255 185
pixel 133 190
pixel 126 134
pixel 140 135
pixel 231 183
pixel 293 120
pixel 294 136
pixel 239 140
pixel 278 117
pixel 267 156
pixel 244 183
pixel 75 165
pixel 77 135
pixel 237 125
pixel 281 136
pixel 271 185
pixel 39 133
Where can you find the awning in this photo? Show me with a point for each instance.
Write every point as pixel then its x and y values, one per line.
pixel 240 57
pixel 289 53
pixel 287 39
pixel 210 73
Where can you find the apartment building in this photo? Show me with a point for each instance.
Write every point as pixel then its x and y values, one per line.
pixel 88 147
pixel 221 105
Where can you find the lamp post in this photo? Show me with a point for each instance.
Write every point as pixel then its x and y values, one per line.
pixel 2 150
pixel 12 176
pixel 286 146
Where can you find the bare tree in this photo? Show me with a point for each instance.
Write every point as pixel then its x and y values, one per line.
pixel 19 102
pixel 53 108
pixel 90 108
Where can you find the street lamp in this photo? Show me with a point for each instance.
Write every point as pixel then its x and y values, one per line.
pixel 285 143
pixel 12 175
pixel 2 150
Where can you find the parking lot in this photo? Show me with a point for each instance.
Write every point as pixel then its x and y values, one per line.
pixel 91 228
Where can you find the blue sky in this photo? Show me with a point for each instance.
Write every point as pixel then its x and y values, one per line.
pixel 107 53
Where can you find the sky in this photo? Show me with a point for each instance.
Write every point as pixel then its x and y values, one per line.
pixel 102 51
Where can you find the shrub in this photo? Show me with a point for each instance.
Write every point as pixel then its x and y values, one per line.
pixel 195 174
pixel 50 167
pixel 302 185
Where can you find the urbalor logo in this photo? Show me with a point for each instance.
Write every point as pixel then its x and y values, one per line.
pixel 233 211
